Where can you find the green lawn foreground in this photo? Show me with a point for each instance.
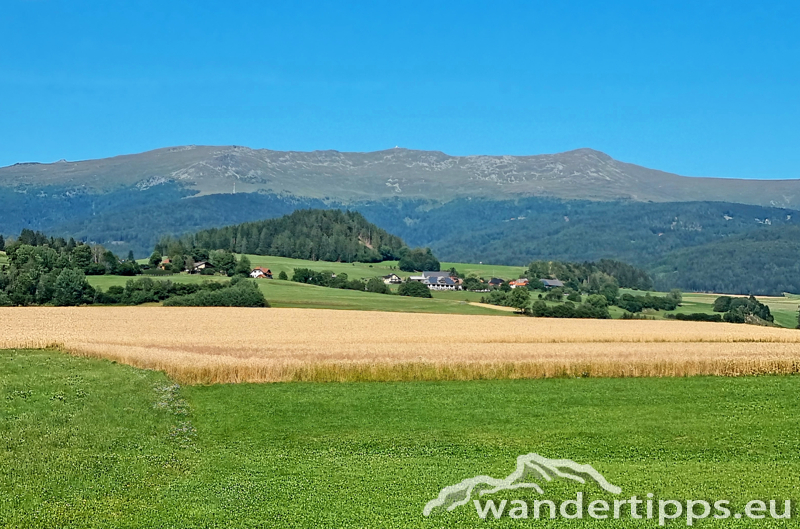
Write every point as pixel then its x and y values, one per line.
pixel 87 443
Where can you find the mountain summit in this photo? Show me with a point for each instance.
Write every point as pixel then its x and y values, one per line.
pixel 403 173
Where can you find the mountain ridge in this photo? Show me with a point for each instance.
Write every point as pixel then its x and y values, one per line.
pixel 405 173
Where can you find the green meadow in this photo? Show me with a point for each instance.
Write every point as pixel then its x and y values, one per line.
pixel 289 294
pixel 89 443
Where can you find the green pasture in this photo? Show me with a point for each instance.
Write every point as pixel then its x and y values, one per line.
pixel 90 444
pixel 288 294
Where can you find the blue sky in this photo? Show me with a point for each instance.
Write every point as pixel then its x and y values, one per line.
pixel 696 88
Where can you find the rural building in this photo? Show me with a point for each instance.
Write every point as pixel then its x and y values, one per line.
pixel 428 275
pixel 200 266
pixel 518 283
pixel 551 283
pixel 261 273
pixel 442 283
pixel 495 282
pixel 164 262
pixel 392 279
pixel 438 280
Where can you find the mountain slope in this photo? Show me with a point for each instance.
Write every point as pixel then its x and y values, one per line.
pixel 763 262
pixel 351 176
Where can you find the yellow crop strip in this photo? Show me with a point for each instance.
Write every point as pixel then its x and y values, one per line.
pixel 220 345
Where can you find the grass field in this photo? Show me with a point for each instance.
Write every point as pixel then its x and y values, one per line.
pixel 89 444
pixel 785 309
pixel 212 345
pixel 288 294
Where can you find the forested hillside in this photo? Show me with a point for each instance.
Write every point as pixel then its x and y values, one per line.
pixel 328 235
pixel 515 232
pixel 759 262
pixel 512 232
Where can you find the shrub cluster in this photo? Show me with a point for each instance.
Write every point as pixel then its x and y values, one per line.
pixel 633 303
pixel 569 310
pixel 414 289
pixel 244 293
pixel 327 279
pixel 739 310
pixel 696 316
pixel 147 290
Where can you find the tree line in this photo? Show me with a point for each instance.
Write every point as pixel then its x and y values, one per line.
pixel 46 270
pixel 309 234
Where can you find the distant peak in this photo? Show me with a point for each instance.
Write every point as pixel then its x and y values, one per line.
pixel 586 151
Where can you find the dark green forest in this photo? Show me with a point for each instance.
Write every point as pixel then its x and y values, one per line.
pixel 317 235
pixel 759 262
pixel 694 246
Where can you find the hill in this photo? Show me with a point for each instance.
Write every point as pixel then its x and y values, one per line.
pixel 516 232
pixel 762 262
pixel 315 234
pixel 354 176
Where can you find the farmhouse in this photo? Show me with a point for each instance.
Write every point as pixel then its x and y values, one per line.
pixel 392 279
pixel 442 283
pixel 261 273
pixel 518 283
pixel 428 275
pixel 495 282
pixel 164 262
pixel 200 266
pixel 438 280
pixel 551 283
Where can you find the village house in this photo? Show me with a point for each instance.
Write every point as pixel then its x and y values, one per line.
pixel 523 282
pixel 495 282
pixel 200 266
pixel 438 281
pixel 441 283
pixel 551 283
pixel 392 279
pixel 164 262
pixel 259 272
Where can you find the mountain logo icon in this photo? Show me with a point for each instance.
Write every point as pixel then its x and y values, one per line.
pixel 531 470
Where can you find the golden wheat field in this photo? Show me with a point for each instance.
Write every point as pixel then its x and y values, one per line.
pixel 218 345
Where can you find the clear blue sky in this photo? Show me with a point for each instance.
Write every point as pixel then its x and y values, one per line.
pixel 696 88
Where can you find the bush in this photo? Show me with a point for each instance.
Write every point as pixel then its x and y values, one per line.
pixel 569 310
pixel 722 304
pixel 637 303
pixel 414 289
pixel 243 294
pixel 310 277
pixel 376 284
pixel 556 294
pixel 496 297
pixel 156 272
pixel 697 316
pixel 282 276
pixel 575 297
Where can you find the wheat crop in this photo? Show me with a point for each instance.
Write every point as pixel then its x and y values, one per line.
pixel 219 345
